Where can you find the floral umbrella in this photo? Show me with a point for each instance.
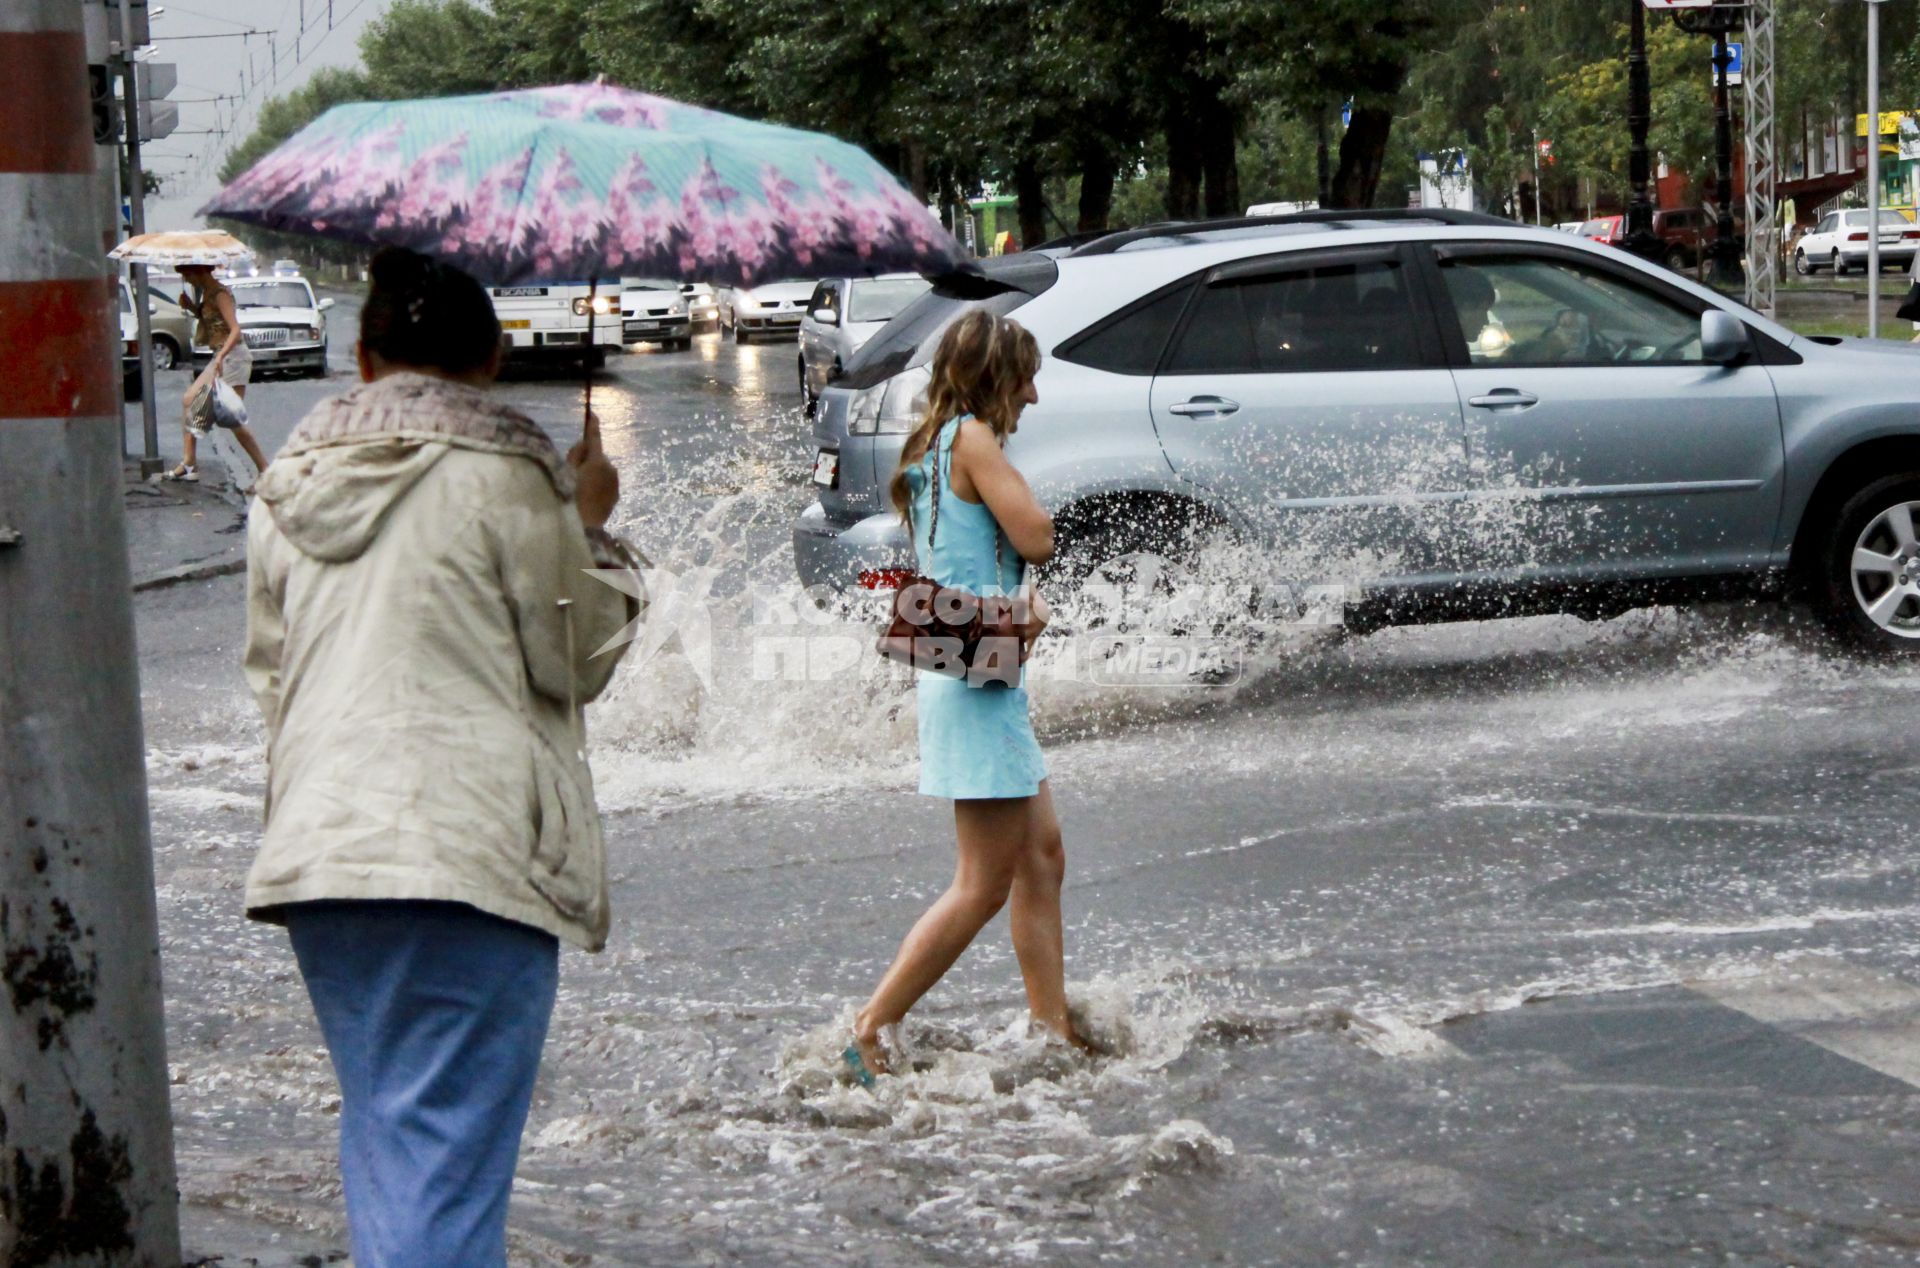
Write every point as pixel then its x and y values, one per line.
pixel 175 248
pixel 586 182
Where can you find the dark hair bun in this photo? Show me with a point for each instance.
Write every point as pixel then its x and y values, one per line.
pixel 429 315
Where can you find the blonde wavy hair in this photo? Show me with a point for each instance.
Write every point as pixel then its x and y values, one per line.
pixel 983 364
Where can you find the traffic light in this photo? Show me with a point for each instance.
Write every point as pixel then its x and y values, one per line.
pixel 100 98
pixel 153 81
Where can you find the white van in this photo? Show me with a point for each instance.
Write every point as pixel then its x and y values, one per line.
pixel 548 320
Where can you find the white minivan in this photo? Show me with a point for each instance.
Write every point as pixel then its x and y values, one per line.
pixel 550 320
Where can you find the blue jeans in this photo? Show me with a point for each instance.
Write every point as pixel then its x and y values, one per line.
pixel 434 1014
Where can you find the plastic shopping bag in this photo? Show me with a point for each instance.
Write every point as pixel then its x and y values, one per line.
pixel 200 403
pixel 229 410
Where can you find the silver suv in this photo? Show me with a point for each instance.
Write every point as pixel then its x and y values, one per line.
pixel 1456 415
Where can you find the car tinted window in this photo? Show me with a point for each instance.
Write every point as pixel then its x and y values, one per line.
pixel 1549 310
pixel 1133 344
pixel 1337 316
pixel 881 299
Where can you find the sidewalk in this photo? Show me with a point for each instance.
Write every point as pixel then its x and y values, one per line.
pixel 183 532
pixel 245 1241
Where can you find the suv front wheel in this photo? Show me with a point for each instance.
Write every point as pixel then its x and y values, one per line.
pixel 1867 586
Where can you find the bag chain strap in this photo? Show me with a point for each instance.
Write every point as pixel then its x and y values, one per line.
pixel 933 523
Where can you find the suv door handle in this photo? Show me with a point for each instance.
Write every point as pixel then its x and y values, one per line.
pixel 1204 406
pixel 1504 398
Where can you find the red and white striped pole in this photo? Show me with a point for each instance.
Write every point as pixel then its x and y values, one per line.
pixel 84 1128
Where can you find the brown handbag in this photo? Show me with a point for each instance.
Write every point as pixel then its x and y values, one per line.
pixel 950 630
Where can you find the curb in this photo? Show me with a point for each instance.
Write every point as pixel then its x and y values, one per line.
pixel 191 572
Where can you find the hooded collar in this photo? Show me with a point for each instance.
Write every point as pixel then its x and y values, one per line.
pixel 422 409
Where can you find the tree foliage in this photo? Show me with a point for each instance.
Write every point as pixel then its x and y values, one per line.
pixel 1102 111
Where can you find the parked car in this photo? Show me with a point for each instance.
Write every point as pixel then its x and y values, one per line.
pixel 1630 436
pixel 1839 242
pixel 560 321
pixel 653 310
pixel 1684 233
pixel 1611 230
pixel 842 314
pixel 284 325
pixel 169 324
pixel 703 306
pixel 772 309
pixel 286 268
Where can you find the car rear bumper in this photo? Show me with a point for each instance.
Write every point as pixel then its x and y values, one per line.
pixel 833 554
pixel 1889 254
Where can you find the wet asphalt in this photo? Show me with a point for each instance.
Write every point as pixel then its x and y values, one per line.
pixel 1526 942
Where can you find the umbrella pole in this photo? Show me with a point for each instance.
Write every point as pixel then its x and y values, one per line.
pixel 586 360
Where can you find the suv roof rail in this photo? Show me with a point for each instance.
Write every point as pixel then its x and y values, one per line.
pixel 1334 217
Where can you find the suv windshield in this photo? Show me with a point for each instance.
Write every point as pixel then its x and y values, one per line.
pixel 1002 285
pixel 272 295
pixel 882 300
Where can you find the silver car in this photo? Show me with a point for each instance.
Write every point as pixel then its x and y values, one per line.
pixel 772 308
pixel 1454 415
pixel 842 315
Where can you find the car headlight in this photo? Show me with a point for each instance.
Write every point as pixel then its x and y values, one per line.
pixel 313 332
pixel 601 305
pixel 747 303
pixel 679 308
pixel 893 408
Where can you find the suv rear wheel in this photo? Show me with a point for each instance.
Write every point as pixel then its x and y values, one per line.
pixel 1839 265
pixel 1866 579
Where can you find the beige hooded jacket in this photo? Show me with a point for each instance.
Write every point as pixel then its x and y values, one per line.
pixel 407 559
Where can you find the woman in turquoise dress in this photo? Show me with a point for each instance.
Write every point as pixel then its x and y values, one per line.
pixel 976 740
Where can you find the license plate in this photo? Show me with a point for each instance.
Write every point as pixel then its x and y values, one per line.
pixel 826 468
pixel 516 325
pixel 787 319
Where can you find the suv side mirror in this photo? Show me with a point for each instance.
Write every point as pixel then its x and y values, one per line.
pixel 324 305
pixel 825 316
pixel 1723 338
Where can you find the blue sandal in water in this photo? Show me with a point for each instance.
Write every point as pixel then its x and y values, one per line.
pixel 856 1060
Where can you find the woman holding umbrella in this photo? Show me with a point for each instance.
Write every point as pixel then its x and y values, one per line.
pixel 217 327
pixel 420 631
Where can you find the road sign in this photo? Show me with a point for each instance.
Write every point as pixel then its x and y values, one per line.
pixel 1736 62
pixel 155 80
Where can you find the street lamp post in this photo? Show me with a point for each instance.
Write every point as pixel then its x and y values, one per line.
pixel 1873 169
pixel 1639 237
pixel 1719 22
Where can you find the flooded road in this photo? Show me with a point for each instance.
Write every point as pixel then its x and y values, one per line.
pixel 1532 942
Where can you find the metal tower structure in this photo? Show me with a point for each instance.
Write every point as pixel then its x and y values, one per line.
pixel 1762 160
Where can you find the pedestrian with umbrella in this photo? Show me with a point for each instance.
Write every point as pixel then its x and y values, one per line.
pixel 196 256
pixel 420 619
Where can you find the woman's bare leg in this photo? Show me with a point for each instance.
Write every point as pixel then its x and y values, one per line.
pixel 993 835
pixel 251 443
pixel 1034 914
pixel 189 447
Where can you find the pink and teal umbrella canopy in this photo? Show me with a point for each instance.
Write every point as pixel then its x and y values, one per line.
pixel 590 181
